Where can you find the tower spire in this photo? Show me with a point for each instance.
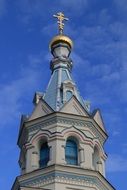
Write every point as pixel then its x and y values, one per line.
pixel 61 85
pixel 60 16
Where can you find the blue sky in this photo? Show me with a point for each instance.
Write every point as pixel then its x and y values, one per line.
pixel 99 31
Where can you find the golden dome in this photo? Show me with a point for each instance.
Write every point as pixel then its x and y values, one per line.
pixel 61 38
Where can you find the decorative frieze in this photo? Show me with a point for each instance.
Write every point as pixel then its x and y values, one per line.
pixel 65 178
pixel 66 121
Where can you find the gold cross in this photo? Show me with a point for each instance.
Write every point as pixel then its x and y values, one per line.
pixel 60 16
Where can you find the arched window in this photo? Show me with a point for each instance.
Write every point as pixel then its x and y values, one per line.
pixel 71 152
pixel 95 158
pixel 44 154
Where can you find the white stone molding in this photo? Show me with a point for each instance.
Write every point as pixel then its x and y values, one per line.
pixel 40 135
pixel 88 156
pixel 35 160
pixel 29 161
pixel 65 179
pixel 76 121
pixel 102 157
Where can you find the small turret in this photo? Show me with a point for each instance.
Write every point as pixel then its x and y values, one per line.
pixel 61 85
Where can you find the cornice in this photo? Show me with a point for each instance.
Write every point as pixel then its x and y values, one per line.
pixel 67 175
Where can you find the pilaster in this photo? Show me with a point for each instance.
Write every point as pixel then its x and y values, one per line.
pixel 88 151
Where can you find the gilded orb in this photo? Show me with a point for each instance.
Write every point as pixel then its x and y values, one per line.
pixel 61 38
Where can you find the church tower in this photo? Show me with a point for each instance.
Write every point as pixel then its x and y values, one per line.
pixel 61 142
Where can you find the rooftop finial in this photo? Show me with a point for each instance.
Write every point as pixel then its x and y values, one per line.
pixel 60 16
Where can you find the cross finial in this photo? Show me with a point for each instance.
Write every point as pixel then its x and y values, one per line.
pixel 60 16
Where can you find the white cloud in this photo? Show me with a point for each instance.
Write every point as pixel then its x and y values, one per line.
pixel 10 103
pixel 30 6
pixel 73 6
pixel 29 9
pixel 15 95
pixel 124 148
pixel 79 61
pixel 115 133
pixel 104 59
pixel 121 6
pixel 116 163
pixel 46 30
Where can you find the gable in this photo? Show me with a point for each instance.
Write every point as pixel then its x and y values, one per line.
pixel 40 110
pixel 73 106
pixel 98 118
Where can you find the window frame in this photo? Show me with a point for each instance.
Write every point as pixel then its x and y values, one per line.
pixel 44 159
pixel 71 146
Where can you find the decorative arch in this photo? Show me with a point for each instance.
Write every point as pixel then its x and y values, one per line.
pixel 40 141
pixel 74 132
pixel 77 134
pixel 39 136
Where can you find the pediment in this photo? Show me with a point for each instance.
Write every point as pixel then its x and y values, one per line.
pixel 73 106
pixel 41 109
pixel 98 118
